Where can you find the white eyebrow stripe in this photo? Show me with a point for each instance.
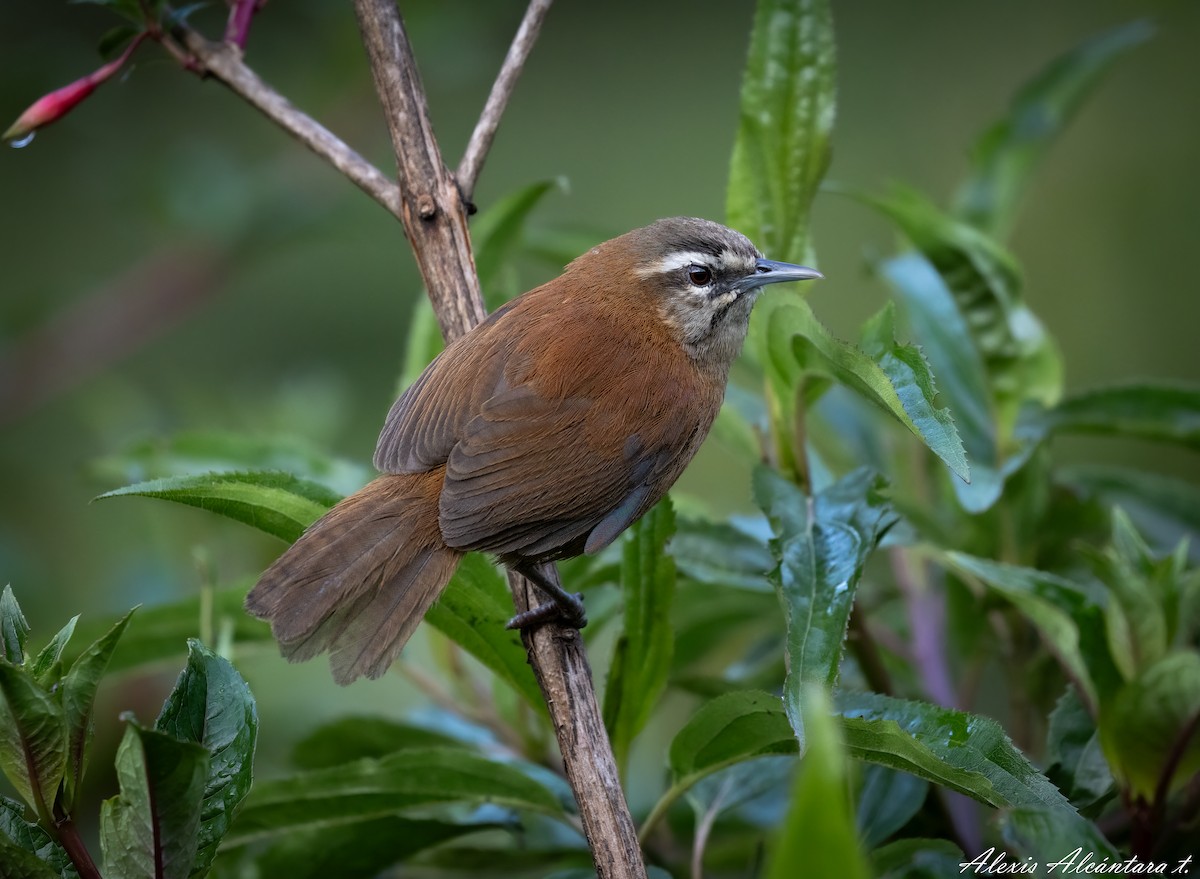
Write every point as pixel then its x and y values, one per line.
pixel 677 261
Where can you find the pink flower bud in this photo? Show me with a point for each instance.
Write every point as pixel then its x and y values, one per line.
pixel 52 107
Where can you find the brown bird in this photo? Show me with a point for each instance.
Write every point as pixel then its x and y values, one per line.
pixel 541 434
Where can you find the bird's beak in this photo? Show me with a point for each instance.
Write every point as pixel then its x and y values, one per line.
pixel 768 271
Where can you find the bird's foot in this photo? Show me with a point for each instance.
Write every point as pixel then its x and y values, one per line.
pixel 566 609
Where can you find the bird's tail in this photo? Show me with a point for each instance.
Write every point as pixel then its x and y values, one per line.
pixel 360 579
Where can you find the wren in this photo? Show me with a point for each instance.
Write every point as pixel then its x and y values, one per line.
pixel 541 434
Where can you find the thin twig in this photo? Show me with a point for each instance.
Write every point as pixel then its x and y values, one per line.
pixel 432 210
pixel 223 62
pixel 502 89
pixel 72 843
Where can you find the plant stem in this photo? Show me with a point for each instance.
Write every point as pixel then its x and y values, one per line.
pixel 72 843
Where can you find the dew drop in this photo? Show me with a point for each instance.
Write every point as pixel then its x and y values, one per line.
pixel 24 141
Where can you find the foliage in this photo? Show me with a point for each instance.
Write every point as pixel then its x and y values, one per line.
pixel 943 555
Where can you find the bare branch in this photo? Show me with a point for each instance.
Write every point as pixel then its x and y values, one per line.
pixel 433 213
pixel 502 89
pixel 223 62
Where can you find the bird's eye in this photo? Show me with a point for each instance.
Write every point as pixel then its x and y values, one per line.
pixel 700 276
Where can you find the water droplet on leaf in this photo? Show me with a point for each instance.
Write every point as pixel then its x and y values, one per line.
pixel 23 142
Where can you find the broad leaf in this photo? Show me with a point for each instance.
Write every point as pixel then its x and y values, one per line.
pixel 78 695
pixel 19 863
pixel 1049 836
pixel 785 124
pixel 311 802
pixel 1159 412
pixel 1074 756
pixel 14 630
pixel 472 612
pixel 26 850
pixel 277 503
pixel 33 738
pixel 819 830
pixel 821 546
pixel 721 555
pixel 1005 157
pixel 642 656
pixel 212 706
pixel 150 830
pixel 352 738
pixel 727 730
pixel 887 800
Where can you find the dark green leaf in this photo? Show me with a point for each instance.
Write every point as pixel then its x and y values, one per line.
pixel 821 548
pixel 918 859
pixel 1149 719
pixel 721 555
pixel 212 706
pixel 1159 412
pixel 33 738
pixel 886 802
pixel 352 738
pixel 78 694
pixel 46 667
pixel 785 124
pixel 312 802
pixel 727 730
pixel 709 620
pixel 642 658
pixel 1048 836
pixel 472 612
pixel 24 845
pixel 159 634
pixel 149 831
pixel 1074 756
pixel 819 830
pixel 1056 607
pixel 13 628
pixel 965 752
pixel 277 503
pixel 1004 158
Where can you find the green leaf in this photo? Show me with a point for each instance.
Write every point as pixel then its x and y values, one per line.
pixel 33 738
pixel 821 547
pixel 212 706
pixel 965 752
pixel 472 612
pixel 727 730
pixel 277 503
pixel 1159 412
pixel 1075 758
pixel 26 850
pixel 160 633
pixel 496 232
pixel 785 124
pixel 897 379
pixel 819 830
pixel 313 802
pixel 642 656
pixel 721 555
pixel 46 668
pixel 1005 157
pixel 918 859
pixel 1056 607
pixel 149 831
pixel 1050 835
pixel 361 850
pixel 887 801
pixel 1152 720
pixel 78 695
pixel 13 629
pixel 352 738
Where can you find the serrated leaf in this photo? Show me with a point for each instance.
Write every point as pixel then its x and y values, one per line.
pixel 78 695
pixel 1056 607
pixel 311 802
pixel 1170 413
pixel 46 667
pixel 819 830
pixel 26 850
pixel 277 503
pixel 149 831
pixel 965 752
pixel 352 738
pixel 33 738
pixel 1050 835
pixel 642 656
pixel 898 381
pixel 1005 157
pixel 211 705
pixel 787 108
pixel 821 546
pixel 14 630
pixel 472 612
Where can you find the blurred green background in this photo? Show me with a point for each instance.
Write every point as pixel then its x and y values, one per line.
pixel 207 273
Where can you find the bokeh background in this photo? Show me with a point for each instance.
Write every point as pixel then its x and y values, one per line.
pixel 170 261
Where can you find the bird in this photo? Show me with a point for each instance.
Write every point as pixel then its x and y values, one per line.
pixel 541 434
